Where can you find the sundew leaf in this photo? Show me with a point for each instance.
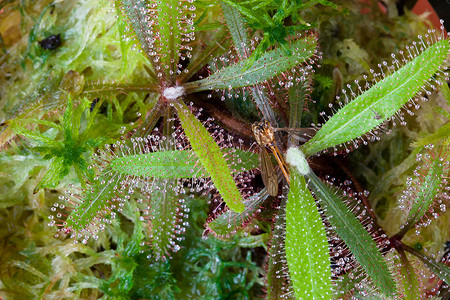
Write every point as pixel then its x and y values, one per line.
pixel 163 217
pixel 381 101
pixel 277 269
pixel 170 22
pixel 178 164
pixel 140 22
pixel 160 28
pixel 230 221
pixel 269 65
pixel 440 269
pixel 92 207
pixel 409 278
pixel 239 33
pixel 351 231
pixel 238 29
pixel 306 243
pixel 424 194
pixel 211 157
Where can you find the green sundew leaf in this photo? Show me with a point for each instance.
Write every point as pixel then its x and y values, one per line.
pixel 160 29
pixel 427 190
pixel 354 235
pixel 297 95
pixel 161 164
pixel 178 164
pixel 211 157
pixel 439 269
pixel 409 278
pixel 137 13
pixel 306 243
pixel 238 29
pixel 277 269
pixel 240 160
pixel 380 102
pixel 171 24
pixel 269 65
pixel 163 217
pixel 91 207
pixel 230 221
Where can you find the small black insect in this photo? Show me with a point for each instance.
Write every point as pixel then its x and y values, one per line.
pixel 103 108
pixel 52 42
pixel 93 104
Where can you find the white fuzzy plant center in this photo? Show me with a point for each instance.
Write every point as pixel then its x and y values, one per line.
pixel 297 159
pixel 173 92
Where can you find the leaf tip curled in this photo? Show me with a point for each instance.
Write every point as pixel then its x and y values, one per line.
pixel 296 158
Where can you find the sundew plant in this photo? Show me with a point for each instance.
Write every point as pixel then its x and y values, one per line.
pixel 222 150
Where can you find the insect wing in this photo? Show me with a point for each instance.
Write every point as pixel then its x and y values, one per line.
pixel 302 135
pixel 268 174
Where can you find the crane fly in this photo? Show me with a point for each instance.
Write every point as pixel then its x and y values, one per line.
pixel 268 174
pixel 264 135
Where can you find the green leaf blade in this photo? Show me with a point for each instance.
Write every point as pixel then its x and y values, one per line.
pixel 211 157
pixel 90 208
pixel 427 191
pixel 238 29
pixel 161 164
pixel 229 222
pixel 269 65
pixel 357 239
pixel 409 278
pixel 380 102
pixel 163 217
pixel 440 269
pixel 306 244
pixel 169 20
pixel 138 19
pixel 178 164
